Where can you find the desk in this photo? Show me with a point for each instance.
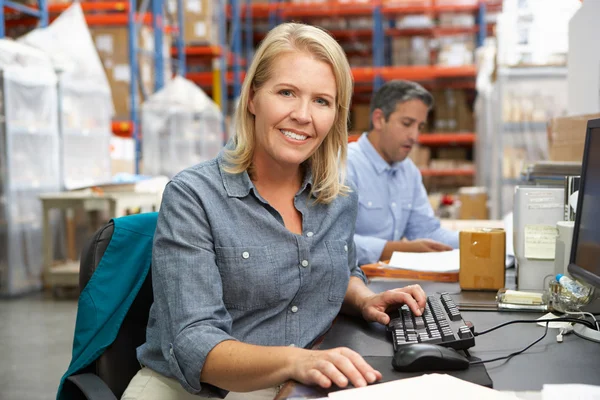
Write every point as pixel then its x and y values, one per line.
pixel 67 274
pixel 574 361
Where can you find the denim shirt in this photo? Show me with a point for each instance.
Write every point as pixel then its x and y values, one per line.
pixel 225 267
pixel 393 203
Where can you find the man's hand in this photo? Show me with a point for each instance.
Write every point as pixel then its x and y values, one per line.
pixel 375 306
pixel 414 246
pixel 338 366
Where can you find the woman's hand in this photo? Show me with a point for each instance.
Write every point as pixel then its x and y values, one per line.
pixel 338 366
pixel 374 307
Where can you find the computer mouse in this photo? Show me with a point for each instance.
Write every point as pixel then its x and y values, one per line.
pixel 421 357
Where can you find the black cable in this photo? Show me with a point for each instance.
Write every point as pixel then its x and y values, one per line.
pixel 528 321
pixel 516 353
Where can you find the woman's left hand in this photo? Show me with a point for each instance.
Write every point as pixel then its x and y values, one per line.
pixel 375 307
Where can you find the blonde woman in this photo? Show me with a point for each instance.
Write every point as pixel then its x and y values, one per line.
pixel 253 254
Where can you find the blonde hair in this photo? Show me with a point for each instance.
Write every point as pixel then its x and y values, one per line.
pixel 328 163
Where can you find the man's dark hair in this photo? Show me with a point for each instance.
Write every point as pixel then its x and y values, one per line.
pixel 395 92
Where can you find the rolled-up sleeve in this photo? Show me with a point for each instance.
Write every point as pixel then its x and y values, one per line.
pixel 187 286
pixel 422 222
pixel 354 249
pixel 368 249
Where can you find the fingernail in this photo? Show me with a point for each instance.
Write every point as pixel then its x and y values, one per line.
pixel 361 382
pixel 371 377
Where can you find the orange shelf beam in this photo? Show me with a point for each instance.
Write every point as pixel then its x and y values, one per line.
pixel 92 6
pixel 441 139
pixel 333 9
pixel 206 78
pixel 199 51
pixel 448 172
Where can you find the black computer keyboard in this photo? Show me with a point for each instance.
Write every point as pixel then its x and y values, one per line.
pixel 441 323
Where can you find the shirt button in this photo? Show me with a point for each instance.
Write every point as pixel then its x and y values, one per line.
pixel 304 263
pixel 345 247
pixel 369 204
pixel 409 205
pixel 171 351
pixel 394 204
pixel 396 232
pixel 309 234
pixel 245 254
pixel 292 345
pixel 294 309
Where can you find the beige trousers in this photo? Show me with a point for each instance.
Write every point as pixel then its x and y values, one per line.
pixel 150 385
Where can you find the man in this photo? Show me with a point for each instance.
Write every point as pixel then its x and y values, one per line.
pixel 394 213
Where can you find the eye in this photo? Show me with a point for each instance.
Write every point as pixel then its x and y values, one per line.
pixel 407 123
pixel 286 92
pixel 322 101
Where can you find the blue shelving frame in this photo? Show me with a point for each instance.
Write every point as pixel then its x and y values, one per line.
pixel 158 26
pixel 41 12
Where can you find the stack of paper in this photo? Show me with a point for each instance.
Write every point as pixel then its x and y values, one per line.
pixel 430 386
pixel 444 261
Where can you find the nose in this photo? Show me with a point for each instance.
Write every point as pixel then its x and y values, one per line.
pixel 301 113
pixel 414 134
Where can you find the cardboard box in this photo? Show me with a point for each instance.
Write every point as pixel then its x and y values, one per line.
pixel 200 23
pixel 112 46
pixel 566 137
pixel 360 117
pixel 482 259
pixel 473 203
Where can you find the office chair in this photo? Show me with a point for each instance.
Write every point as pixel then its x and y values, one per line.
pixel 107 377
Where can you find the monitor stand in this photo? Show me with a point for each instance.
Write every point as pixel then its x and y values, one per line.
pixel 586 333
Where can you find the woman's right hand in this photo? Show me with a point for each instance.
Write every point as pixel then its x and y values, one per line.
pixel 338 366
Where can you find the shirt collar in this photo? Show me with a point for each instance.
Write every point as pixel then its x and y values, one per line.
pixel 374 157
pixel 239 185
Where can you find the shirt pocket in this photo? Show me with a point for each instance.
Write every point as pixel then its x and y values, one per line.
pixel 371 215
pixel 339 271
pixel 249 277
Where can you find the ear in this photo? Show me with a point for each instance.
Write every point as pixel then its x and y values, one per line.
pixel 378 119
pixel 251 106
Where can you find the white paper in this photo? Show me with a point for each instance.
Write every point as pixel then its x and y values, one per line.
pixel 429 386
pixel 200 29
pixel 540 241
pixel 443 261
pixel 571 392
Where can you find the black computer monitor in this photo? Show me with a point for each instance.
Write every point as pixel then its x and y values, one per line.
pixel 584 263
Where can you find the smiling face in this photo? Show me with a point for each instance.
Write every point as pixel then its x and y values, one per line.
pixel 294 110
pixel 397 135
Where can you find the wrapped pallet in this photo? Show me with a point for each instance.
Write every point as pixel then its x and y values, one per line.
pixel 181 127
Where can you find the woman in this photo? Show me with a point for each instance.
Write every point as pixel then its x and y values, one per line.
pixel 253 253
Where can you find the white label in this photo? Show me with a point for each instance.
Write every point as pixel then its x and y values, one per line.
pixel 122 73
pixel 541 199
pixel 540 194
pixel 541 206
pixel 104 43
pixel 194 6
pixel 540 241
pixel 200 29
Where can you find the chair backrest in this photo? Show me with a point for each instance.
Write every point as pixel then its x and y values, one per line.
pixel 118 364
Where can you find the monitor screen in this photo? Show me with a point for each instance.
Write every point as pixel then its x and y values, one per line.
pixel 585 252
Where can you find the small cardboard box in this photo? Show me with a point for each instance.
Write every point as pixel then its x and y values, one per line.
pixel 482 259
pixel 473 203
pixel 566 137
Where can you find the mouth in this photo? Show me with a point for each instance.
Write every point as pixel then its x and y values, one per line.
pixel 293 135
pixel 407 147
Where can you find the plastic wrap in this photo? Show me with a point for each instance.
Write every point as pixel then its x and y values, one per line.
pixel 86 105
pixel 29 162
pixel 181 127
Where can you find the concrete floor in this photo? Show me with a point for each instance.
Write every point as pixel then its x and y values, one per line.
pixel 36 335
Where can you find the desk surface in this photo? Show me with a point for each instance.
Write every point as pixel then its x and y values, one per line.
pixel 574 361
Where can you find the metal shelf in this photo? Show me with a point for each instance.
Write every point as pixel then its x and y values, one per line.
pixel 448 172
pixel 441 139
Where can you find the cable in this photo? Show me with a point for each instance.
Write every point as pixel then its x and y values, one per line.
pixel 516 352
pixel 529 321
pixel 585 313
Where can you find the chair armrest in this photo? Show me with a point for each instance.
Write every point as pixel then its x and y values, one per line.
pixel 92 387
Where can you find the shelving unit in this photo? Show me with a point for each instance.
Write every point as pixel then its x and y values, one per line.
pixel 382 16
pixel 39 15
